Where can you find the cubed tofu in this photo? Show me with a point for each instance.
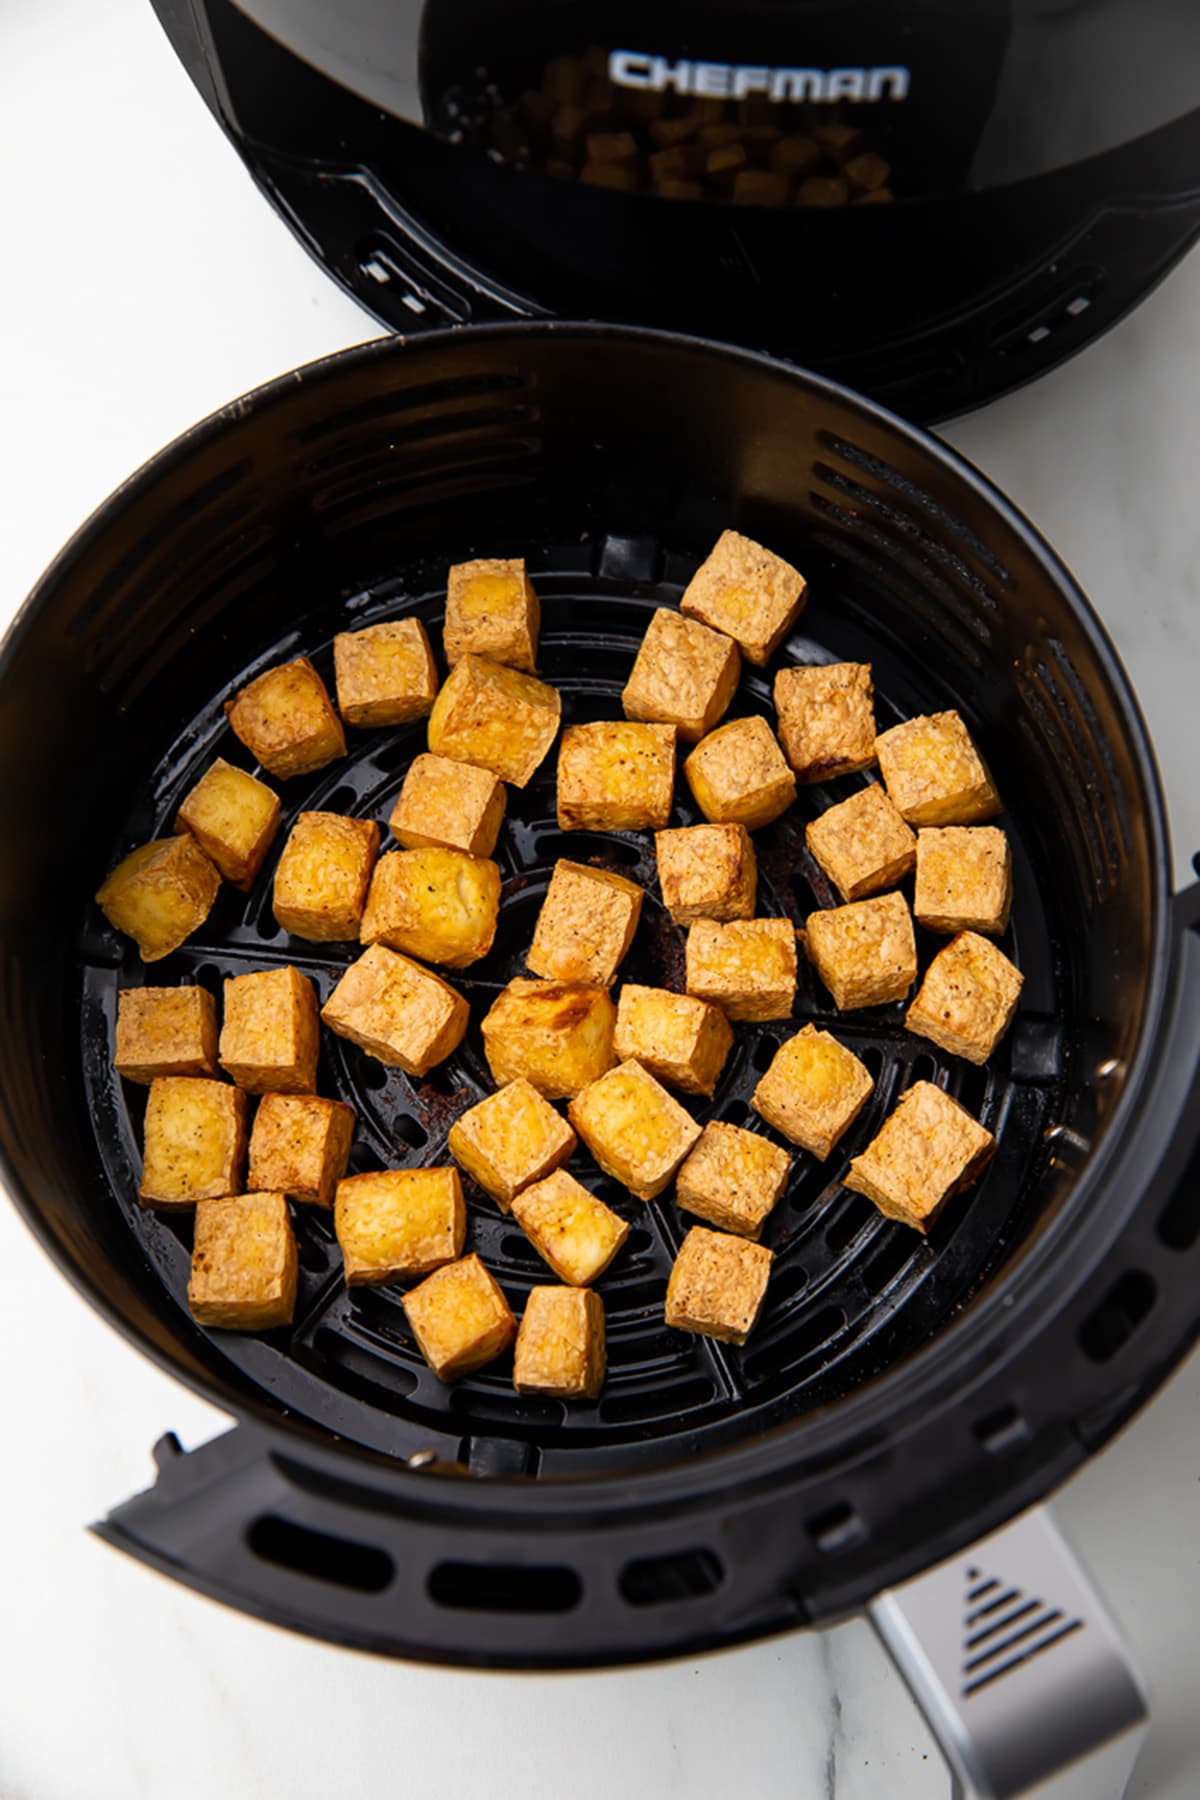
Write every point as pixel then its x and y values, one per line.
pixel 270 1036
pixel 460 1319
pixel 510 1140
pixel 194 1141
pixel 299 1146
pixel 494 718
pixel 928 1149
pixel 707 872
pixel 684 675
pixel 448 803
pixel 323 875
pixel 165 1031
pixel 968 997
pixel 964 879
pixel 813 1091
pixel 826 719
pixel 863 844
pixel 233 817
pixel 747 592
pixel 733 1178
pixel 492 610
pixel 160 894
pixel 717 1285
pixel 558 1035
pixel 397 1011
pixel 436 904
pixel 678 1038
pixel 574 1231
pixel 586 924
pixel 738 775
pixel 637 1132
pixel 244 1263
pixel 385 673
pixel 560 1344
pixel 865 953
pixel 934 773
pixel 616 776
pixel 747 967
pixel 396 1222
pixel 286 719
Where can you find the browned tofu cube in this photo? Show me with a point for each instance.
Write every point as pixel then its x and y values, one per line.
pixel 397 1011
pixel 510 1140
pixel 492 610
pixel 286 719
pixel 738 775
pixel 385 673
pixel 160 894
pixel 460 1319
pixel 617 776
pixel 813 1091
pixel 826 719
pixel 863 844
pixel 684 675
pixel 865 953
pixel 194 1141
pixel 165 1031
pixel 968 997
pixel 233 817
pixel 495 718
pixel 323 875
pixel 733 1178
pixel 747 967
pixel 707 872
pixel 449 803
pixel 271 1033
pixel 244 1264
pixel 717 1285
pixel 934 774
pixel 586 924
pixel 576 1233
pixel 760 187
pixel 560 1345
pixel 929 1149
pixel 635 1130
pixel 396 1222
pixel 436 904
pixel 678 1038
pixel 964 879
pixel 299 1146
pixel 747 592
pixel 557 1034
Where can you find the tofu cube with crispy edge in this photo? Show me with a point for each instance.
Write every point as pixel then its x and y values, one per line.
pixel 323 875
pixel 159 894
pixel 684 675
pixel 165 1031
pixel 270 1035
pixel 928 1149
pixel 637 1132
pixel 511 1139
pixel 558 1035
pixel 964 879
pixel 678 1038
pixel 968 997
pixel 397 1222
pixel 865 953
pixel 194 1141
pixel 494 718
pixel 449 804
pixel 863 844
pixel 436 904
pixel 813 1091
pixel 244 1263
pixel 560 1344
pixel 826 719
pixel 492 610
pixel 733 1178
pixel 747 967
pixel 397 1011
pixel 707 872
pixel 460 1319
pixel 934 773
pixel 299 1145
pixel 717 1285
pixel 574 1231
pixel 586 924
pixel 747 592
pixel 738 775
pixel 385 674
pixel 233 817
pixel 286 719
pixel 616 776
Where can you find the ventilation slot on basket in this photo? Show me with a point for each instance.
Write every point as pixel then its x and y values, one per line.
pixel 836 1529
pixel 1004 1628
pixel 1001 1430
pixel 320 1555
pixel 899 571
pixel 1053 314
pixel 1109 1328
pixel 505 1587
pixel 1064 740
pixel 684 1575
pixel 429 301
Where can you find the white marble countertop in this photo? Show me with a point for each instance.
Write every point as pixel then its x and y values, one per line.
pixel 146 283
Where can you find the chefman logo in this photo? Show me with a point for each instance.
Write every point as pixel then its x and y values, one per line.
pixel 737 81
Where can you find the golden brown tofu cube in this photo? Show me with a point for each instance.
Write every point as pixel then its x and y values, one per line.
pixel 707 872
pixel 747 967
pixel 933 772
pixel 397 1011
pixel 560 1345
pixel 738 775
pixel 863 844
pixel 271 1034
pixel 576 1233
pixel 929 1149
pixel 165 1031
pixel 233 817
pixel 460 1319
pixel 194 1141
pixel 865 953
pixel 678 1038
pixel 435 904
pixel 397 1222
pixel 492 610
pixel 823 190
pixel 557 1034
pixel 385 673
pixel 510 1140
pixel 733 1178
pixel 451 804
pixel 760 187
pixel 717 1285
pixel 637 1132
pixel 749 593
pixel 616 776
pixel 323 875
pixel 160 894
pixel 813 1091
pixel 244 1263
pixel 299 1146
pixel 964 879
pixel 684 675
pixel 585 926
pixel 286 719
pixel 826 719
pixel 968 997
pixel 495 718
